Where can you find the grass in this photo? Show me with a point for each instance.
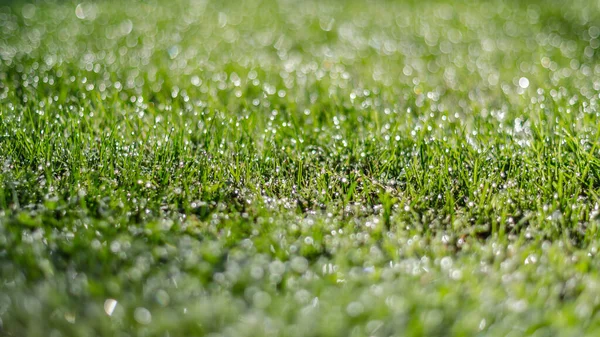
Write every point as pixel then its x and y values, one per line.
pixel 312 168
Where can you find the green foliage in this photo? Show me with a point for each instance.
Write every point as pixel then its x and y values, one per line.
pixel 299 168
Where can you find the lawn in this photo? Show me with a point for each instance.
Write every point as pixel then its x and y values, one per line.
pixel 299 168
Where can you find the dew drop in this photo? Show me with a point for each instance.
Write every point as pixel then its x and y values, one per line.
pixel 524 82
pixel 109 306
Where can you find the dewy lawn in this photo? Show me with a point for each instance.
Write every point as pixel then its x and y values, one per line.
pixel 299 168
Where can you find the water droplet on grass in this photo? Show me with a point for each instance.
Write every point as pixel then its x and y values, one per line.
pixel 79 12
pixel 524 82
pixel 109 306
pixel 142 316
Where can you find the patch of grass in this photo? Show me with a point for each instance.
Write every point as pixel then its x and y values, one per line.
pixel 314 168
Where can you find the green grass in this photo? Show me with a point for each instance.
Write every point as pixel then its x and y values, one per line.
pixel 299 168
